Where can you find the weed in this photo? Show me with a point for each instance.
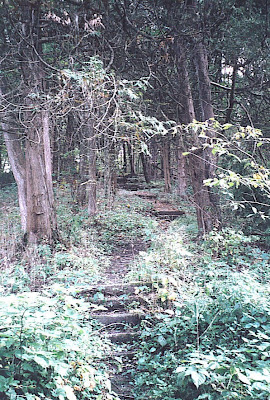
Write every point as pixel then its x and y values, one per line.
pixel 213 342
pixel 47 351
pixel 213 346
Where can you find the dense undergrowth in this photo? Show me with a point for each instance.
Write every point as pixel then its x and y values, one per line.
pixel 207 336
pixel 49 348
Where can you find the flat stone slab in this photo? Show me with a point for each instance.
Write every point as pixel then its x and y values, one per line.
pixel 146 195
pixel 116 289
pixel 123 337
pixel 169 212
pixel 127 318
pixel 116 303
pixel 122 385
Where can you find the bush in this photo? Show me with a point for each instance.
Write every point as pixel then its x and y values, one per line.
pixel 48 350
pixel 215 346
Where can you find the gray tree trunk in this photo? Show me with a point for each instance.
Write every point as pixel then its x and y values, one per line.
pixel 40 215
pixel 201 164
pixel 92 182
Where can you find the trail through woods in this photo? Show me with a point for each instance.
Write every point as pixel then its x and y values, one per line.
pixel 122 305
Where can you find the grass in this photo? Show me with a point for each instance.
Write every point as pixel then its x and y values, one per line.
pixel 206 336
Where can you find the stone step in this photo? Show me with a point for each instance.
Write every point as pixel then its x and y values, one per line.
pixel 146 195
pixel 126 318
pixel 119 302
pixel 128 354
pixel 116 289
pixel 125 395
pixel 122 385
pixel 168 214
pixel 123 337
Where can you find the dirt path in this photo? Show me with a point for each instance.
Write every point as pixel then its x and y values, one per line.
pixel 121 309
pixel 121 262
pixel 118 308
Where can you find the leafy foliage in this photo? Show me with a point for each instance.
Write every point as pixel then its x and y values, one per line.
pixel 210 338
pixel 242 175
pixel 214 346
pixel 48 352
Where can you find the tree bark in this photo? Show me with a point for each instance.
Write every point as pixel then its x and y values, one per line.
pixel 17 163
pixel 201 63
pixel 83 166
pixel 124 157
pixel 92 180
pixel 16 157
pixel 145 166
pixel 181 171
pixel 166 165
pixel 110 178
pixel 41 218
pixel 131 160
pixel 209 202
pixel 201 163
pixel 185 95
pixel 187 114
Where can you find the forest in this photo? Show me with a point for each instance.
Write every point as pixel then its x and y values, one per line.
pixel 134 199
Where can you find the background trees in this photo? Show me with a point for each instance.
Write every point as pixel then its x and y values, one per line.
pixel 91 86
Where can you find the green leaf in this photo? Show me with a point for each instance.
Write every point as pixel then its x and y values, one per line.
pixel 41 361
pixel 197 378
pixel 4 384
pixel 162 341
pixel 226 126
pixel 243 378
pixel 257 376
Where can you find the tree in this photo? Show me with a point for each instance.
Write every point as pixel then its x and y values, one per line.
pixel 30 158
pixel 168 50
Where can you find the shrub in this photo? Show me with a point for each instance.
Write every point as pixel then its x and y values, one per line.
pixel 48 350
pixel 215 345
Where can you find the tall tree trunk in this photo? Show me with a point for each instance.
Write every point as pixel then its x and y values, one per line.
pixel 166 165
pixel 110 178
pixel 131 160
pixel 145 165
pixel 213 214
pixel 187 112
pixel 17 163
pixel 181 170
pixel 92 181
pixel 84 166
pixel 124 157
pixel 16 157
pixel 200 163
pixel 41 218
pixel 154 161
pixel 201 63
pixel 186 99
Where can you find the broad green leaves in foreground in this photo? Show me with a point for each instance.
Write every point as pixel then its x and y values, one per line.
pixel 214 340
pixel 48 350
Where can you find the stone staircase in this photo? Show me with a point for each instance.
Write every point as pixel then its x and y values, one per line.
pixel 120 308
